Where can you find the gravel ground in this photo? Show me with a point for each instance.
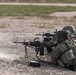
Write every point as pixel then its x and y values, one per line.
pixel 62 14
pixel 12 61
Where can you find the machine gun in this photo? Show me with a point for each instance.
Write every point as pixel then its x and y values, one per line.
pixel 39 46
pixel 46 36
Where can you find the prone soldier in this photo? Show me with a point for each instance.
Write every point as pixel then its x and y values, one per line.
pixel 64 53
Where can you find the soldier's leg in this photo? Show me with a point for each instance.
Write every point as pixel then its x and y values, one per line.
pixel 72 65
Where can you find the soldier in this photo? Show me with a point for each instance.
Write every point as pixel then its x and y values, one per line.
pixel 59 37
pixel 70 29
pixel 64 53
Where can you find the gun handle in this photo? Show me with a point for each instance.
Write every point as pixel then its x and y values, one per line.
pixel 41 50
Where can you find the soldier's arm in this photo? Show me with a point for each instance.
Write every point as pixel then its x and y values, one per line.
pixel 55 54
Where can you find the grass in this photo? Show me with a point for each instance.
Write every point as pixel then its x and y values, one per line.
pixel 51 1
pixel 42 1
pixel 62 1
pixel 31 10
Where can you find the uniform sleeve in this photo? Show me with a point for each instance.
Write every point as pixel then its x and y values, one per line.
pixel 55 54
pixel 58 51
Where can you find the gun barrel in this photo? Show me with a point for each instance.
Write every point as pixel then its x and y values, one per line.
pixel 46 34
pixel 24 43
pixel 34 43
pixel 52 34
pixel 18 42
pixel 39 34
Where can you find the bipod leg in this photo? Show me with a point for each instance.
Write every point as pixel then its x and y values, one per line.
pixel 26 54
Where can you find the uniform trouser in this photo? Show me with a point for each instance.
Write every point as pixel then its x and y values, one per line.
pixel 71 65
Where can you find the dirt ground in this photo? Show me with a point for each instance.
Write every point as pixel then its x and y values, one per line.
pixel 12 56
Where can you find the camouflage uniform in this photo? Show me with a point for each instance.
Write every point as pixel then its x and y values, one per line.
pixel 64 54
pixel 63 51
pixel 57 39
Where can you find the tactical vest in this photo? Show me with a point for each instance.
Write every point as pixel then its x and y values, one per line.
pixel 68 56
pixel 63 52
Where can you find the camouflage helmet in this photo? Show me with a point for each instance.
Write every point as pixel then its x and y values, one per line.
pixel 69 29
pixel 60 36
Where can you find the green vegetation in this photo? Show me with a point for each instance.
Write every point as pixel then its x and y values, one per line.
pixel 41 1
pixel 62 1
pixel 51 1
pixel 31 10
